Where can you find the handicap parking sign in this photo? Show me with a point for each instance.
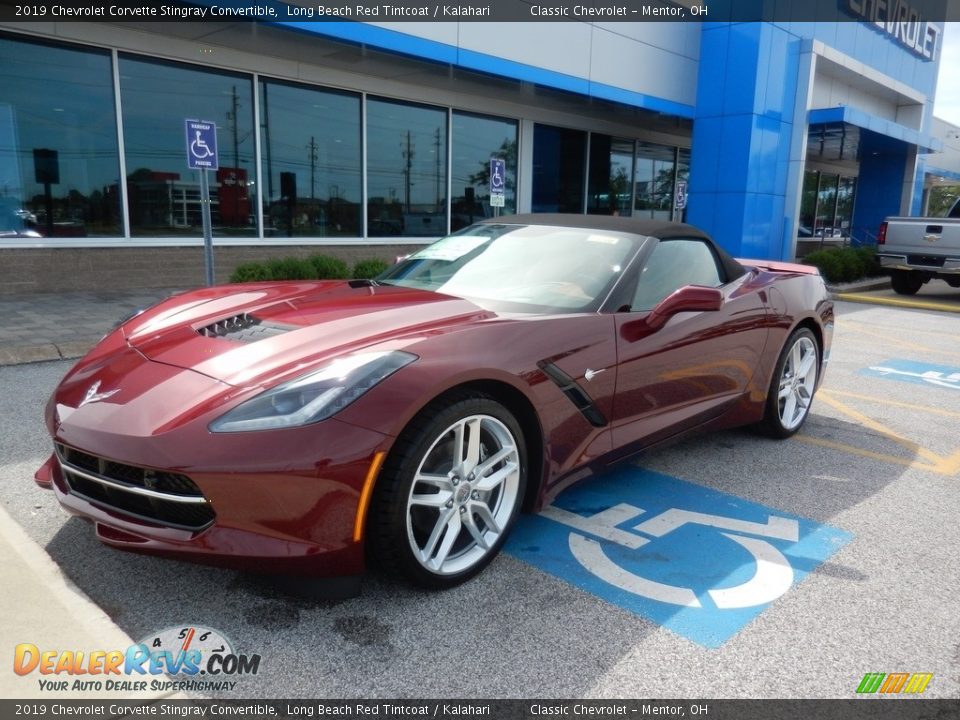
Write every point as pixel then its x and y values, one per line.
pixel 201 145
pixel 697 561
pixel 498 182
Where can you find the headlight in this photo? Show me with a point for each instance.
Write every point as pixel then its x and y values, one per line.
pixel 315 396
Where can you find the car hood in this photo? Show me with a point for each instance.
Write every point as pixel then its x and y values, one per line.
pixel 247 335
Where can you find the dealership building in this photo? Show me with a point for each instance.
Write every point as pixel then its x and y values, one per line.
pixel 369 139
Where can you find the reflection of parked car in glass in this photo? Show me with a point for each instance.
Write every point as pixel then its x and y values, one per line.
pixel 15 221
pixel 830 232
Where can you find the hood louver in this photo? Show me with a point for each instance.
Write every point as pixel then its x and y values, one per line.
pixel 244 328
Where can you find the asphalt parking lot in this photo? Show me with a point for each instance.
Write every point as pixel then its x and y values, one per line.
pixel 851 527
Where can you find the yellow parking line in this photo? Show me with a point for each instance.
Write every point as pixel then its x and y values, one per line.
pixel 846 322
pixel 894 403
pixel 881 429
pixel 902 343
pixel 914 304
pixel 853 450
pixel 942 465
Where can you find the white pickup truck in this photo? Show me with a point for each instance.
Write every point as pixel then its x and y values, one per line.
pixel 915 250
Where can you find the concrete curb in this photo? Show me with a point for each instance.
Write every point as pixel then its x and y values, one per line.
pixel 918 304
pixel 21 354
pixel 51 613
pixel 877 283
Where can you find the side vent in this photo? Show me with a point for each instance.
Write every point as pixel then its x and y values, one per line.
pixel 568 386
pixel 243 328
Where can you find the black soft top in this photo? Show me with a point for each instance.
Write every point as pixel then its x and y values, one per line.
pixel 660 229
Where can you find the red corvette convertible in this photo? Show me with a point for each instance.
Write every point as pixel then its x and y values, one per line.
pixel 303 428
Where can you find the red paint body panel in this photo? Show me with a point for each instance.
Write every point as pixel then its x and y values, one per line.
pixel 285 501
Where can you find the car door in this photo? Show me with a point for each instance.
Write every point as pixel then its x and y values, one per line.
pixel 690 369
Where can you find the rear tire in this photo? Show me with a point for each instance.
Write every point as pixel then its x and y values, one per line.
pixel 906 282
pixel 449 492
pixel 793 385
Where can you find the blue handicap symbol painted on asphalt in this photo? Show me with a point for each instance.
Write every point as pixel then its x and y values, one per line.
pixel 699 562
pixel 921 373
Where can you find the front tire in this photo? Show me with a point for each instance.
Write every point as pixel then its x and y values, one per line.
pixel 449 492
pixel 906 282
pixel 793 385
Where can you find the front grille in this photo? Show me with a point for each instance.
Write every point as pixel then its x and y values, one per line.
pixel 925 260
pixel 171 499
pixel 243 328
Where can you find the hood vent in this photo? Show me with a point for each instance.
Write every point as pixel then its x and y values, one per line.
pixel 244 328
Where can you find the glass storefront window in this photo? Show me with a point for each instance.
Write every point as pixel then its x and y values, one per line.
pixel 559 164
pixel 59 165
pixel 475 140
pixel 808 204
pixel 845 192
pixel 164 196
pixel 611 173
pixel 826 205
pixel 406 169
pixel 653 178
pixel 310 147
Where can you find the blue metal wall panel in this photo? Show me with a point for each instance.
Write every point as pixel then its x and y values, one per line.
pixel 739 165
pixel 880 185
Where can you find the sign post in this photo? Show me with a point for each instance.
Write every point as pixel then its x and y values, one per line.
pixel 498 184
pixel 202 156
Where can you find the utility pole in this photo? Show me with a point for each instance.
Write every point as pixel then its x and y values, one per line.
pixel 312 147
pixel 436 145
pixel 408 166
pixel 235 104
pixel 233 117
pixel 265 128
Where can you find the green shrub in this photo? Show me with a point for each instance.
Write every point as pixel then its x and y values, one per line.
pixel 844 264
pixel 369 268
pixel 868 256
pixel 829 264
pixel 289 268
pixel 250 272
pixel 328 268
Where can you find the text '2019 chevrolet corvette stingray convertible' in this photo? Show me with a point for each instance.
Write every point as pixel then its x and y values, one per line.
pixel 304 428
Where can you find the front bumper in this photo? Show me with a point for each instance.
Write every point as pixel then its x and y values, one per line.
pixel 281 505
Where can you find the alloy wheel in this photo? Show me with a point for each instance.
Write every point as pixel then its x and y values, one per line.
pixel 463 494
pixel 797 383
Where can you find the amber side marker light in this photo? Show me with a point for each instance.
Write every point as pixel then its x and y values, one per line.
pixel 365 494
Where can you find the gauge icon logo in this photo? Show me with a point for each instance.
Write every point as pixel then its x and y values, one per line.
pixel 189 641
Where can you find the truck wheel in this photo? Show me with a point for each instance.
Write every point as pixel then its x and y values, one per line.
pixel 906 282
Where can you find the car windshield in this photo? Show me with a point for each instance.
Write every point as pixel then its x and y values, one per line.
pixel 522 268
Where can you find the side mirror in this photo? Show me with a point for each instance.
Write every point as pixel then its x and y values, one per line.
pixel 690 298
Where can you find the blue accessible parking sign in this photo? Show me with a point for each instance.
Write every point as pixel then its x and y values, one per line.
pixel 699 562
pixel 201 145
pixel 498 182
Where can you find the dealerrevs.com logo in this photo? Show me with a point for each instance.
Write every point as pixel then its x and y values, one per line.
pixel 185 658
